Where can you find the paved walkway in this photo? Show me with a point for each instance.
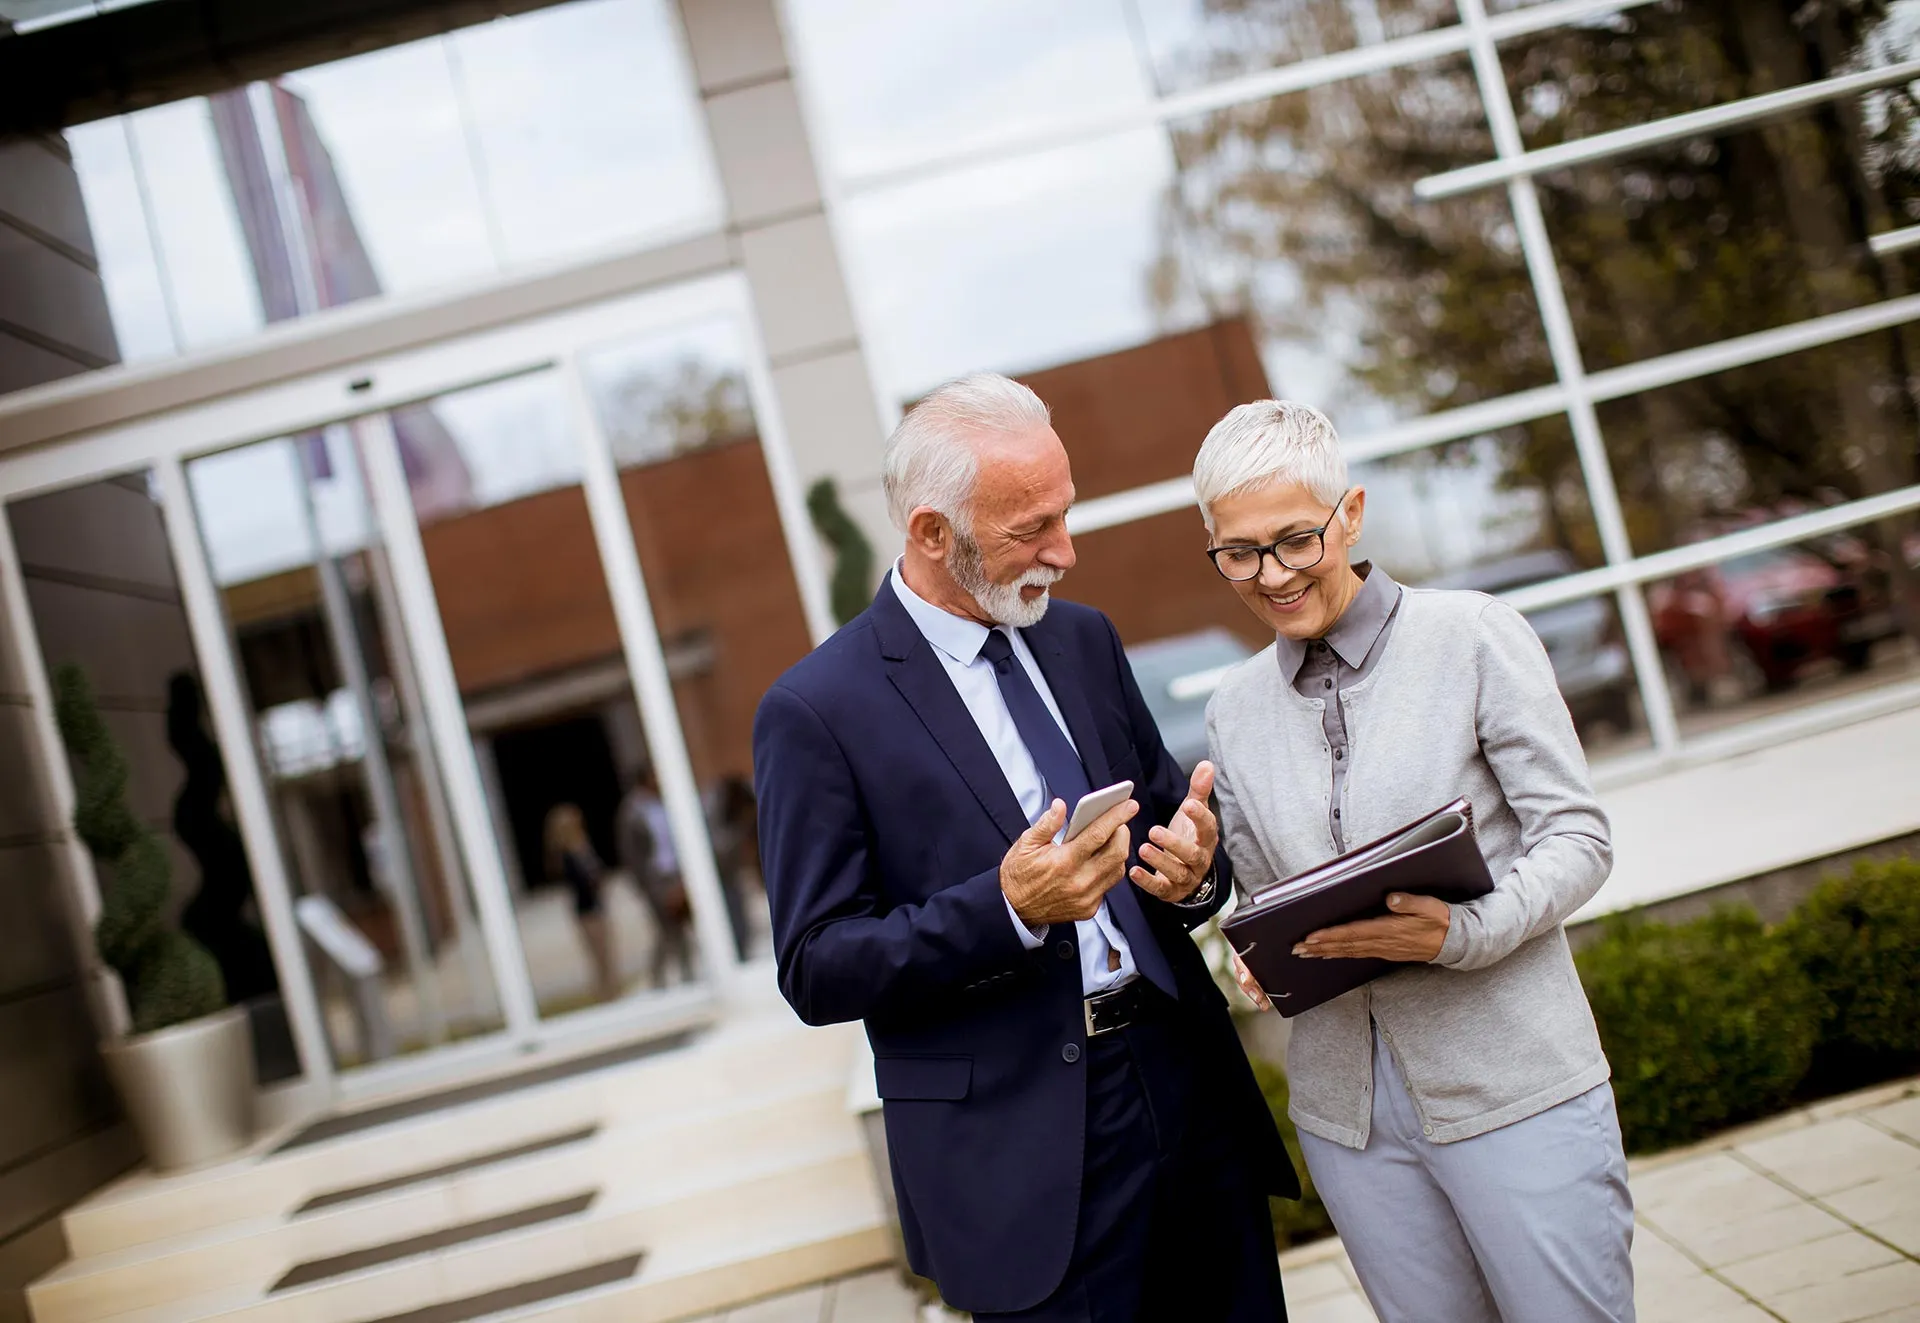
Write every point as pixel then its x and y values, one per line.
pixel 1812 1217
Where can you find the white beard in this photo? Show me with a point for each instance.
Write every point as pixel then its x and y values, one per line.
pixel 1000 602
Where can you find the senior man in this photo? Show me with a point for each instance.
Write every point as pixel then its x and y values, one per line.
pixel 1075 1133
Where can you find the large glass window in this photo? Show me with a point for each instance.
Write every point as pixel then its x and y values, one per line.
pixel 893 85
pixel 1194 42
pixel 1760 443
pixel 1371 304
pixel 552 134
pixel 1767 631
pixel 1147 268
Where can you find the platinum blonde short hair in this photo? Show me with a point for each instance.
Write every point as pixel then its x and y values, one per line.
pixel 1269 443
pixel 930 460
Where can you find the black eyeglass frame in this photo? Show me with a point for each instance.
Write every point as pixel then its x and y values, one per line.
pixel 1273 548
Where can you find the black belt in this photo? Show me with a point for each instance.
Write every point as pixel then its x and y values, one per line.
pixel 1122 1006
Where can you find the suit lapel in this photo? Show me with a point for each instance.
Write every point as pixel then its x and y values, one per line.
pixel 1072 702
pixel 923 682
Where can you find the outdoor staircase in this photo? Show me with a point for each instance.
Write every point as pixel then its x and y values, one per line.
pixel 664 1188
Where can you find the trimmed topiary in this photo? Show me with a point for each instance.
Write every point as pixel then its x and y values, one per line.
pixel 169 977
pixel 1294 1221
pixel 852 585
pixel 1858 938
pixel 1707 1023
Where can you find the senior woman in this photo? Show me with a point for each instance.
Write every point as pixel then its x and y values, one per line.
pixel 1455 1112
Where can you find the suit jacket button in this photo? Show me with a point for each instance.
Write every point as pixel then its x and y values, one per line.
pixel 1064 950
pixel 1070 1053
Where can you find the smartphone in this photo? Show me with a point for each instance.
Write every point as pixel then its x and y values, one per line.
pixel 1095 803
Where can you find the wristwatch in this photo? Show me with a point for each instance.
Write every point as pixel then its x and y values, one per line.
pixel 1204 892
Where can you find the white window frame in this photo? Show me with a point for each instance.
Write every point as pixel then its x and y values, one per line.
pixel 1575 391
pixel 164 443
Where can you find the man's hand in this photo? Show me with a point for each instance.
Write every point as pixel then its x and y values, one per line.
pixel 1180 853
pixel 1248 984
pixel 1413 933
pixel 1064 883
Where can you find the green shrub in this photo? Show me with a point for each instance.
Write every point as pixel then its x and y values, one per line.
pixel 851 586
pixel 1707 1023
pixel 1294 1222
pixel 169 977
pixel 1858 938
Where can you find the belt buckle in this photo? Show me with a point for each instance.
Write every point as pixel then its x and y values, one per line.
pixel 1088 1005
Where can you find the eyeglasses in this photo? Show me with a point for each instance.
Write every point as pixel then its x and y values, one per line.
pixel 1296 551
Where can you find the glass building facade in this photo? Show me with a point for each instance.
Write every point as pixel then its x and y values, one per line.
pixel 456 376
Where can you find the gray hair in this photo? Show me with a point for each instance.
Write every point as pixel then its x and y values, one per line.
pixel 929 460
pixel 1265 444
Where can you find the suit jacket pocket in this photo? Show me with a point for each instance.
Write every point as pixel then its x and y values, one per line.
pixel 943 1079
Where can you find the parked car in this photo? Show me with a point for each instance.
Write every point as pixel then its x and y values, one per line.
pixel 1582 638
pixel 1177 676
pixel 1764 616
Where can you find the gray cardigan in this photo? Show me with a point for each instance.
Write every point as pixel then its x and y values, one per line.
pixel 1462 702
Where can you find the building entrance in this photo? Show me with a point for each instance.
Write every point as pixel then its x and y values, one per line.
pixel 470 621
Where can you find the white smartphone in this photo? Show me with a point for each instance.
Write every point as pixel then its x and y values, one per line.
pixel 1095 803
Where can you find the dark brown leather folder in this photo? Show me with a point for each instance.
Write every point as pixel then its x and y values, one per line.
pixel 1436 855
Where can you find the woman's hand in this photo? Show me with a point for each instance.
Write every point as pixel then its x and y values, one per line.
pixel 1413 933
pixel 1244 977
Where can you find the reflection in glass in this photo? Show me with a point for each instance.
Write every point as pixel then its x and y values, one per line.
pixel 537 656
pixel 894 84
pixel 1692 242
pixel 381 894
pixel 1498 513
pixel 549 134
pixel 1195 42
pixel 708 535
pixel 1371 304
pixel 1770 630
pixel 130 268
pixel 101 587
pixel 587 128
pixel 1019 265
pixel 1764 442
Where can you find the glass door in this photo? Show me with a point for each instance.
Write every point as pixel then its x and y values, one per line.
pixel 382 892
pixel 482 626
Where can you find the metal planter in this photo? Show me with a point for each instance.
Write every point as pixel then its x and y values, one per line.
pixel 188 1089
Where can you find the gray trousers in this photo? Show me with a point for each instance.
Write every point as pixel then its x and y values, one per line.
pixel 1530 1223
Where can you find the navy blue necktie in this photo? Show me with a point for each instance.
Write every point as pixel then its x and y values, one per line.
pixel 1060 767
pixel 1066 778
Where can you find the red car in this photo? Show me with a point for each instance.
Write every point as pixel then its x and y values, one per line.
pixel 1759 618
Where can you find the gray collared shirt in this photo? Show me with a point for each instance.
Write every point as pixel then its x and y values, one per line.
pixel 1325 668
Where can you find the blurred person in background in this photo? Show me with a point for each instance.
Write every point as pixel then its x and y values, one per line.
pixel 571 860
pixel 1455 1114
pixel 733 826
pixel 1074 1131
pixel 645 840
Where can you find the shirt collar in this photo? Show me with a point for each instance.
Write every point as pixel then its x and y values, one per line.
pixel 958 637
pixel 1357 630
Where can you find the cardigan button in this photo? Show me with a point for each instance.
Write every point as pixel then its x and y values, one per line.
pixel 1071 1053
pixel 1064 950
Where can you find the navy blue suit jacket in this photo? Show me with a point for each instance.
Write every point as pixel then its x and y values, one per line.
pixel 883 821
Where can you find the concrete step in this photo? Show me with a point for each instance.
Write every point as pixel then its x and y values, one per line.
pixel 647 1155
pixel 766 1054
pixel 812 1218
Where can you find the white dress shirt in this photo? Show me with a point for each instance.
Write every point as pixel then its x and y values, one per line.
pixel 957 642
